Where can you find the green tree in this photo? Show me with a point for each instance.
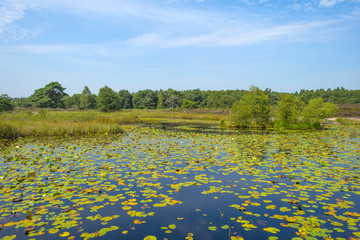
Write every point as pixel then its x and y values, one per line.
pixel 188 104
pixel 194 95
pixel 73 101
pixel 273 96
pixel 145 99
pixel 173 98
pixel 108 100
pixel 226 101
pixel 50 96
pixel 5 103
pixel 289 109
pixel 318 110
pixel 21 102
pixel 125 99
pixel 161 100
pixel 252 109
pixel 87 99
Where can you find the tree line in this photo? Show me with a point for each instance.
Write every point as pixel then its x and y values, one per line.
pixel 53 95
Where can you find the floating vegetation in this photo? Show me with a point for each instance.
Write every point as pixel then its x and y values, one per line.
pixel 157 184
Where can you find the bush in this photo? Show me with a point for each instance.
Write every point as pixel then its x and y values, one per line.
pixel 252 109
pixel 317 110
pixel 5 103
pixel 289 109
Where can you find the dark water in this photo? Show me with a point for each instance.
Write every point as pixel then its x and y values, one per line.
pixel 202 177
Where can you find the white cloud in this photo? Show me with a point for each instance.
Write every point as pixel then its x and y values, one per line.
pixel 328 3
pixel 227 37
pixel 43 49
pixel 150 13
pixel 145 40
pixel 18 33
pixel 179 27
pixel 10 12
pixel 235 36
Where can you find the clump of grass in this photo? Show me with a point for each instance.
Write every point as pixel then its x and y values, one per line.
pixel 340 120
pixel 302 125
pixel 7 131
pixel 222 123
pixel 348 121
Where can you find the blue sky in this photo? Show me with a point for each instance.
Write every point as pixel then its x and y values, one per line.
pixel 179 44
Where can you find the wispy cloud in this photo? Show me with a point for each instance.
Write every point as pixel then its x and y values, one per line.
pixel 179 27
pixel 236 36
pixel 10 12
pixel 13 10
pixel 328 3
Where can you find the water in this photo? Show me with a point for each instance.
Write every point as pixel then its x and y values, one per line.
pixel 175 184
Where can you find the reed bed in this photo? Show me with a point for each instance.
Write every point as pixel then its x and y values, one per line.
pixel 43 122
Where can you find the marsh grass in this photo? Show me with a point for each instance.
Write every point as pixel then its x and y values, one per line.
pixel 25 122
pixel 53 123
pixel 45 122
pixel 194 114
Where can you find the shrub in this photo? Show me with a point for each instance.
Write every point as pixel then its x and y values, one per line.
pixel 317 110
pixel 252 109
pixel 289 109
pixel 5 103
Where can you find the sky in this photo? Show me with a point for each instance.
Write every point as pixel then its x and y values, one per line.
pixel 179 44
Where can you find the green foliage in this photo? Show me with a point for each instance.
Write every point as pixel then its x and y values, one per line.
pixel 289 109
pixel 273 96
pixel 188 104
pixel 226 101
pixel 125 98
pixel 161 101
pixel 337 95
pixel 169 99
pixel 21 102
pixel 145 99
pixel 193 95
pixel 252 109
pixel 72 102
pixel 5 103
pixel 108 100
pixel 50 96
pixel 221 99
pixel 317 110
pixel 87 99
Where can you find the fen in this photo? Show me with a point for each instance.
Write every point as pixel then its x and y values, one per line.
pixel 182 182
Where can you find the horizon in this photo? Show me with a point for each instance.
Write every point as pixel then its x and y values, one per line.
pixel 179 44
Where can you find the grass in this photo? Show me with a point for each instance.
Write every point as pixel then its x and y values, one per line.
pixel 58 123
pixel 25 122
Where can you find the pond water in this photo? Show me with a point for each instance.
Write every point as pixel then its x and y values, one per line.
pixel 175 184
